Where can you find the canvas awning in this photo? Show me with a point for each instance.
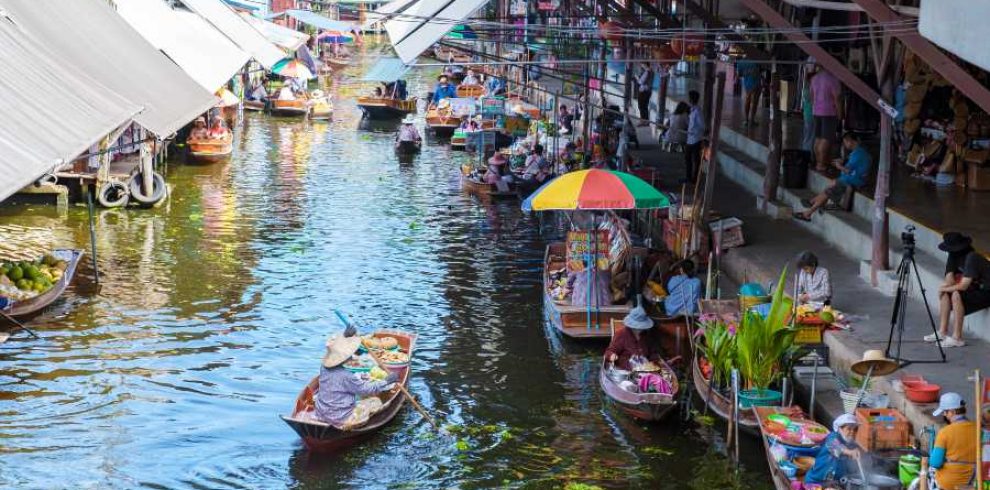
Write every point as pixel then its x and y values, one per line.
pixel 200 50
pixel 52 112
pixel 384 12
pixel 425 22
pixel 283 37
pixel 319 21
pixel 116 56
pixel 386 70
pixel 221 16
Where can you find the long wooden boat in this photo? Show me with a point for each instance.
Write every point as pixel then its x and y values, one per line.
pixel 780 480
pixel 322 437
pixel 440 123
pixel 385 108
pixel 408 147
pixel 40 302
pixel 719 402
pixel 337 63
pixel 473 185
pixel 643 406
pixel 254 105
pixel 291 108
pixel 211 150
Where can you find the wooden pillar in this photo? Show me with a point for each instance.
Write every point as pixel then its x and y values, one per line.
pixel 717 95
pixel 662 96
pixel 628 76
pixel 880 259
pixel 772 178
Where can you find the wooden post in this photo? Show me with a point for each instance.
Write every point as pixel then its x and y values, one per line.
pixel 772 178
pixel 662 97
pixel 880 258
pixel 628 77
pixel 717 95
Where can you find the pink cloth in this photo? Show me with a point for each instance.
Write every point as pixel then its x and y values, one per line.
pixel 824 88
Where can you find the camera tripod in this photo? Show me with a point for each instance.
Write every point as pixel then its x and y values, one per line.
pixel 900 305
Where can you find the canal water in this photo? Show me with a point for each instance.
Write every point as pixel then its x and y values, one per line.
pixel 212 311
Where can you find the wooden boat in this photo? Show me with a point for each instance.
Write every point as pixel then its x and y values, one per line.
pixel 337 63
pixel 458 141
pixel 254 105
pixel 40 302
pixel 720 403
pixel 211 150
pixel 442 123
pixel 780 480
pixel 474 185
pixel 321 111
pixel 385 108
pixel 470 90
pixel 408 147
pixel 642 406
pixel 291 108
pixel 322 437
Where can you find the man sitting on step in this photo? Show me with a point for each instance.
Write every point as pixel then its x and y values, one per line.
pixel 853 176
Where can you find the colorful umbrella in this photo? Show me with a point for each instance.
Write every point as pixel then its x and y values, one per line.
pixel 335 37
pixel 595 189
pixel 292 68
pixel 462 31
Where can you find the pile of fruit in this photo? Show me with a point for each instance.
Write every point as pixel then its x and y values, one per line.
pixel 810 314
pixel 24 280
pixel 371 342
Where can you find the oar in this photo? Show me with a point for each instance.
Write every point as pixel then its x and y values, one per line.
pixel 19 324
pixel 402 388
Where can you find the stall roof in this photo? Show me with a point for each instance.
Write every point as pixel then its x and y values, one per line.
pixel 282 37
pixel 425 22
pixel 384 12
pixel 319 21
pixel 221 16
pixel 170 98
pixel 52 111
pixel 386 70
pixel 203 52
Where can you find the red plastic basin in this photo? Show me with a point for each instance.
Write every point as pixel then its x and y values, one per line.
pixel 922 393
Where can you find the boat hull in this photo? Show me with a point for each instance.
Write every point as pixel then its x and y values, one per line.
pixel 719 403
pixel 290 108
pixel 650 407
pixel 484 190
pixel 210 151
pixel 254 105
pixel 38 303
pixel 407 147
pixel 384 108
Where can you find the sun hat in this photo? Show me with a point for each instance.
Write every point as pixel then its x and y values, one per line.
pixel 843 420
pixel 874 358
pixel 948 401
pixel 497 159
pixel 954 241
pixel 340 349
pixel 637 319
pixel 409 119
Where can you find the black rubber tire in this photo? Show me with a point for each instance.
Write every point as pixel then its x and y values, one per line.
pixel 158 189
pixel 113 195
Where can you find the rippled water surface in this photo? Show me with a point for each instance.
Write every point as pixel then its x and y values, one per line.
pixel 212 312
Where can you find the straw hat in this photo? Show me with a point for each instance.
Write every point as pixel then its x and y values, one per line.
pixel 637 319
pixel 497 159
pixel 317 94
pixel 409 119
pixel 340 349
pixel 200 120
pixel 874 358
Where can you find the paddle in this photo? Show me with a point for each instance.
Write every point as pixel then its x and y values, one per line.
pixel 402 388
pixel 18 325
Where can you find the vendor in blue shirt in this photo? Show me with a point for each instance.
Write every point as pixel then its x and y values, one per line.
pixel 443 90
pixel 683 290
pixel 838 452
pixel 494 85
pixel 853 176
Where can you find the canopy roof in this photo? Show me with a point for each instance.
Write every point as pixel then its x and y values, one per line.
pixel 423 23
pixel 319 21
pixel 384 12
pixel 282 37
pixel 221 16
pixel 386 70
pixel 170 98
pixel 204 53
pixel 52 112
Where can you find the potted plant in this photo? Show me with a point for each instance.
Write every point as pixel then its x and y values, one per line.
pixel 719 347
pixel 762 344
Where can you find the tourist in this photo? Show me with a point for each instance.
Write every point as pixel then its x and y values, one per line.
pixel 953 458
pixel 443 90
pixel 826 97
pixel 218 130
pixel 565 120
pixel 835 455
pixel 853 176
pixel 675 135
pixel 749 74
pixel 339 399
pixel 644 87
pixel 470 78
pixel 408 131
pixel 536 169
pixel 814 284
pixel 636 339
pixel 199 131
pixel 966 288
pixel 695 137
pixel 683 290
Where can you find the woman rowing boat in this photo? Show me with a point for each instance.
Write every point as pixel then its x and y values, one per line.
pixel 344 400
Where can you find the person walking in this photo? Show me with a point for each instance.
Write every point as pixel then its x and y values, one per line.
pixel 644 84
pixel 695 137
pixel 749 74
pixel 826 97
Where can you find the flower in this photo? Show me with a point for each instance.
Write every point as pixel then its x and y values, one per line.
pixel 732 328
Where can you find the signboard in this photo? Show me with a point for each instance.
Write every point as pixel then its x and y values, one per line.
pixel 516 125
pixel 580 247
pixel 492 106
pixel 462 106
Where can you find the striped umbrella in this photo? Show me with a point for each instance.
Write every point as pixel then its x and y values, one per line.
pixel 595 190
pixel 292 68
pixel 335 37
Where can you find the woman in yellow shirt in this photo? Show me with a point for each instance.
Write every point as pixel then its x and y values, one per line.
pixel 954 454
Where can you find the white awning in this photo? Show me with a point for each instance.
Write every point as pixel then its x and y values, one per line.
pixel 52 112
pixel 384 12
pixel 221 16
pixel 283 37
pixel 425 22
pixel 203 52
pixel 116 56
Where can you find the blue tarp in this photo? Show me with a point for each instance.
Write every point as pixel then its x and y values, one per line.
pixel 386 70
pixel 319 21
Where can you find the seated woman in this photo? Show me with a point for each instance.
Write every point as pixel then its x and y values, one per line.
pixel 218 130
pixel 836 453
pixel 637 339
pixel 199 131
pixel 496 169
pixel 814 284
pixel 337 400
pixel 683 290
pixel 966 288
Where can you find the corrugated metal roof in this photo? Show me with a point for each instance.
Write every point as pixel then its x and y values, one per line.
pixel 384 12
pixel 281 36
pixel 386 70
pixel 52 112
pixel 221 16
pixel 316 20
pixel 88 34
pixel 423 24
pixel 202 51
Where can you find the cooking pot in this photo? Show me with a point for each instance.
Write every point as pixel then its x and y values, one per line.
pixel 873 482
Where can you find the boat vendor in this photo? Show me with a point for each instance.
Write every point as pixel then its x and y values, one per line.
pixel 837 452
pixel 496 170
pixel 683 290
pixel 952 462
pixel 408 131
pixel 218 130
pixel 637 339
pixel 536 169
pixel 199 131
pixel 470 78
pixel 443 90
pixel 494 85
pixel 337 400
pixel 286 93
pixel 814 284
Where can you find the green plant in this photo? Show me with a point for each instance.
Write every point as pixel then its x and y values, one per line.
pixel 719 348
pixel 762 344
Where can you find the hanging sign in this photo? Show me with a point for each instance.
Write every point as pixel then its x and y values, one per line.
pixel 492 106
pixel 580 248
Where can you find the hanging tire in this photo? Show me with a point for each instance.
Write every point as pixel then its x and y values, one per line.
pixel 113 195
pixel 158 189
